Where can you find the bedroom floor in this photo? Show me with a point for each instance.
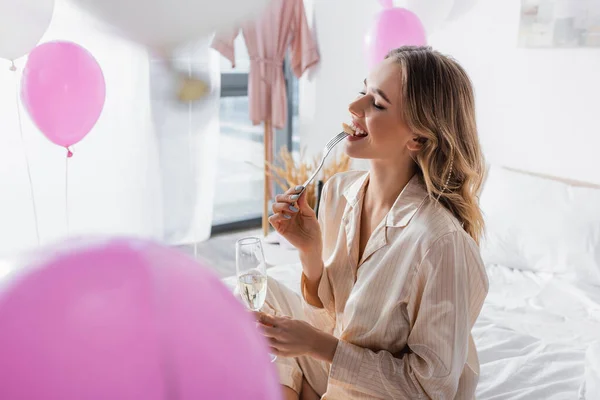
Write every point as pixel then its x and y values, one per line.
pixel 219 251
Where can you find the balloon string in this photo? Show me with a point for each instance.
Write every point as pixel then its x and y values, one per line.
pixel 67 190
pixel 13 68
pixel 193 170
pixel 33 205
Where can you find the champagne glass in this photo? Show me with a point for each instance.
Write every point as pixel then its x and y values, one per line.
pixel 251 273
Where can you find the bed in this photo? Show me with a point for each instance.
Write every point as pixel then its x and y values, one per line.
pixel 538 334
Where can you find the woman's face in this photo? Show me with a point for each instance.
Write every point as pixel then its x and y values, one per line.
pixel 382 133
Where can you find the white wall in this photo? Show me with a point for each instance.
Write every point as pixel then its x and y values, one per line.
pixel 122 177
pixel 326 90
pixel 537 109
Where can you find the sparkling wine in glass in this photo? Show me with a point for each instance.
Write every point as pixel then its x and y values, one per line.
pixel 253 288
pixel 251 273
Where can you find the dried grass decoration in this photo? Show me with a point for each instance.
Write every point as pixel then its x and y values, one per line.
pixel 291 173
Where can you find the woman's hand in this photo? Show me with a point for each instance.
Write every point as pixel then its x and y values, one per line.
pixel 296 221
pixel 292 338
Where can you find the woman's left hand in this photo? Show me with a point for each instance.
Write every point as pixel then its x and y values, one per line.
pixel 292 338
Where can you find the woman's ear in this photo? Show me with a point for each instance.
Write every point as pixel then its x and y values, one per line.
pixel 415 144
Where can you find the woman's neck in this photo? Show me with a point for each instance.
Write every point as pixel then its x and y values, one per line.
pixel 386 182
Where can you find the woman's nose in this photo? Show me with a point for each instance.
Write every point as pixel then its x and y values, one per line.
pixel 356 108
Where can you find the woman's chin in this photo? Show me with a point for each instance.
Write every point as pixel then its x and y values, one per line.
pixel 356 150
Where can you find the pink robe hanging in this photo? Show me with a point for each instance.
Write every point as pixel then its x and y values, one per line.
pixel 282 25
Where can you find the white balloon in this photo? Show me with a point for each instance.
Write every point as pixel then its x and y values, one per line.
pixel 432 13
pixel 165 24
pixel 460 8
pixel 22 25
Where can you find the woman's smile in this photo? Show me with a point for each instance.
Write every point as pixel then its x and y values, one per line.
pixel 355 131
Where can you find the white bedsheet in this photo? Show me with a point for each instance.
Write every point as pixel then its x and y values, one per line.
pixel 592 371
pixel 532 335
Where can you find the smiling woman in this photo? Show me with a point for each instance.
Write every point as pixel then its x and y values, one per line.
pixel 392 278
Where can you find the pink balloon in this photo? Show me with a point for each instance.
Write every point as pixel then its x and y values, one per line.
pixel 392 28
pixel 63 90
pixel 126 319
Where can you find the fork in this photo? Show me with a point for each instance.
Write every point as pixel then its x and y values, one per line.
pixel 326 150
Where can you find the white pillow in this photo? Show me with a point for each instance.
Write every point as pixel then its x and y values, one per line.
pixel 541 225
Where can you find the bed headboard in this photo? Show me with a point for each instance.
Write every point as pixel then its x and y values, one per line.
pixel 570 182
pixel 541 223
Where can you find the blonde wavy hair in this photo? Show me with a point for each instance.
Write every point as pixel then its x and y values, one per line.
pixel 439 107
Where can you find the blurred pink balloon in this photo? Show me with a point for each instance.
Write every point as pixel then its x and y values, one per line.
pixel 63 90
pixel 125 319
pixel 392 28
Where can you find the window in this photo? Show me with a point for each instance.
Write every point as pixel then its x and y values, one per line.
pixel 294 95
pixel 240 177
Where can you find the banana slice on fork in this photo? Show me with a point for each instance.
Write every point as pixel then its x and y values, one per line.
pixel 348 129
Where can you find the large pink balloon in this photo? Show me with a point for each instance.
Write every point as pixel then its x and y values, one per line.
pixel 127 320
pixel 63 90
pixel 392 28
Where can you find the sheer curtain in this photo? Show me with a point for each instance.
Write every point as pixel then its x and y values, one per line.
pixel 147 169
pixel 187 135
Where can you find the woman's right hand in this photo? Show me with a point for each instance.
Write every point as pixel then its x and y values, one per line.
pixel 296 221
